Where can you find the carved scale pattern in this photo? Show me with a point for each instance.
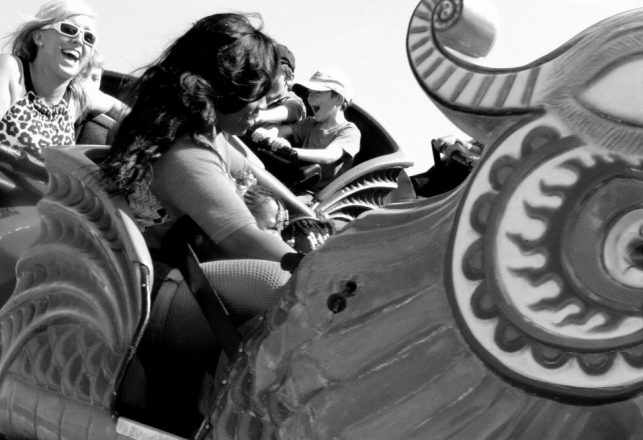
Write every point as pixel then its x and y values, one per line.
pixel 366 193
pixel 69 326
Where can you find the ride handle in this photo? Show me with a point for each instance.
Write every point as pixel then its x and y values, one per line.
pixel 21 162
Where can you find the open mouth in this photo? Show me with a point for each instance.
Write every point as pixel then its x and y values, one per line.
pixel 71 55
pixel 315 108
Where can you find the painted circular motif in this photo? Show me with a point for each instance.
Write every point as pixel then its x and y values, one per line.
pixel 548 264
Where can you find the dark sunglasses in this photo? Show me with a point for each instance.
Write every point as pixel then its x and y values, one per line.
pixel 71 30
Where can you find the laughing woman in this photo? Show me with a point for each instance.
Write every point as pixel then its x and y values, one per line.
pixel 39 80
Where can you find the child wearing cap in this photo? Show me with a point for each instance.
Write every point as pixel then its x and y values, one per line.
pixel 325 137
pixel 284 106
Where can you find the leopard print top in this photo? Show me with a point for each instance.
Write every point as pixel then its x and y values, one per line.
pixel 31 125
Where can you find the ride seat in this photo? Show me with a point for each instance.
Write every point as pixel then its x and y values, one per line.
pixel 98 129
pixel 94 130
pixel 375 140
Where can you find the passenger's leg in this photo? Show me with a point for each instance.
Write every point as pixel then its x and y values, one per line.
pixel 247 287
pixel 177 350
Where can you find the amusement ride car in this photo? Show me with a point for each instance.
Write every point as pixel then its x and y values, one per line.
pixel 508 307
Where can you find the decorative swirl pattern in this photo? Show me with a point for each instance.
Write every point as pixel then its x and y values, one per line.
pixel 538 281
pixel 446 13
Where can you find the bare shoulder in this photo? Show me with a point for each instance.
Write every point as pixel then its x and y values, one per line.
pixel 11 81
pixel 10 68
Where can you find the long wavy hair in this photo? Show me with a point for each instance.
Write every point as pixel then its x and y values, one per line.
pixel 221 62
pixel 22 44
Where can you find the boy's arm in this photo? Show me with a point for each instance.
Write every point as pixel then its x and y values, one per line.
pixel 288 112
pixel 327 155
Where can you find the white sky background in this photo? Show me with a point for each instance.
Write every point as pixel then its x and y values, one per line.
pixel 365 38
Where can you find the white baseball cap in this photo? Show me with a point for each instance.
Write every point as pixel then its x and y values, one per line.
pixel 330 79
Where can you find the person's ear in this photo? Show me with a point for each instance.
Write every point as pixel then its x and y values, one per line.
pixel 37 38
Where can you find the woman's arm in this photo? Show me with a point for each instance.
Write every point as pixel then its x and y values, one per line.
pixel 193 181
pixel 327 155
pixel 275 115
pixel 9 82
pixel 288 112
pixel 251 242
pixel 100 102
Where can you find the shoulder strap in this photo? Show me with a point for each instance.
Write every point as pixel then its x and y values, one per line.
pixel 27 74
pixel 211 304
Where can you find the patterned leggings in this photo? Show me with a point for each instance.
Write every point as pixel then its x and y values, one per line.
pixel 247 287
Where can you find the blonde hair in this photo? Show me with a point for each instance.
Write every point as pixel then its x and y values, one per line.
pixel 96 61
pixel 23 45
pixel 21 40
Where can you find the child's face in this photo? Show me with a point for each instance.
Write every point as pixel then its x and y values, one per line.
pixel 323 104
pixel 267 215
pixel 93 77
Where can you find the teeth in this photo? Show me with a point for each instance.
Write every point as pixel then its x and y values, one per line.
pixel 72 54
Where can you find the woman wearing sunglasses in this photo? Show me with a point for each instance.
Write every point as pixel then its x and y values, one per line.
pixel 40 81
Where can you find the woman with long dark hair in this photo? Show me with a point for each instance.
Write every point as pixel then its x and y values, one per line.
pixel 171 158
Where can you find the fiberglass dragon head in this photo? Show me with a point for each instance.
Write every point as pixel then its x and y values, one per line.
pixel 546 273
pixel 509 308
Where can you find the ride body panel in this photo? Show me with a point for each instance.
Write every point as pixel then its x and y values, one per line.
pixel 362 188
pixel 23 181
pixel 19 228
pixel 507 308
pixel 75 319
pixel 21 186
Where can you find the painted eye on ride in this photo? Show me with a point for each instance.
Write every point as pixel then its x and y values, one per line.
pixel 617 92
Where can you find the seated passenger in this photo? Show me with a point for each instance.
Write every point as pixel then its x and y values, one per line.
pixel 283 105
pixel 92 74
pixel 170 156
pixel 326 137
pixel 268 210
pixel 40 79
pixel 171 159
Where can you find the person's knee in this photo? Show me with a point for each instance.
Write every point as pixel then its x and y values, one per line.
pixel 247 287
